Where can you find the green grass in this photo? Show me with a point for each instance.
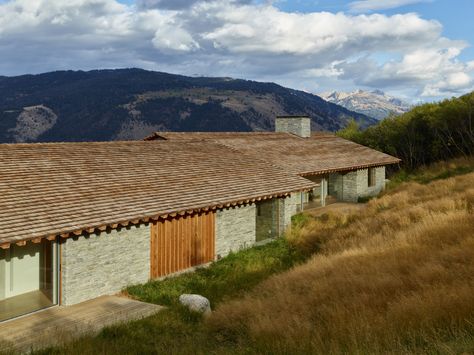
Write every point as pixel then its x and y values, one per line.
pixel 228 277
pixel 176 330
pixel 299 220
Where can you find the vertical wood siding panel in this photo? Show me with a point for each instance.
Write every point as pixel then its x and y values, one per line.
pixel 152 248
pixel 184 233
pixel 206 237
pixel 193 241
pixel 156 258
pixel 198 242
pixel 161 245
pixel 166 247
pixel 179 265
pixel 173 246
pixel 180 243
pixel 189 239
pixel 212 237
pixel 169 241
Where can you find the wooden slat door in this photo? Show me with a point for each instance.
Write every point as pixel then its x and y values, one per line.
pixel 181 243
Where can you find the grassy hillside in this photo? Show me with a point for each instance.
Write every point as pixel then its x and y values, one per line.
pixel 395 277
pixel 426 134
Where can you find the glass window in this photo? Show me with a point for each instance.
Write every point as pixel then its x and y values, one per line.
pixel 28 278
pixel 371 177
pixel 268 221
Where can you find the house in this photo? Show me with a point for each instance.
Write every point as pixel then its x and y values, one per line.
pixel 341 169
pixel 80 220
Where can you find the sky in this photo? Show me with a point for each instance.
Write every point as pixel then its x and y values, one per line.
pixel 419 50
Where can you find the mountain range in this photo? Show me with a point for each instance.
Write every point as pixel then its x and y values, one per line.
pixel 122 104
pixel 374 104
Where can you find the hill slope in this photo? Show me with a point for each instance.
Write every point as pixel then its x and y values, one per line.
pixel 375 104
pixel 395 277
pixel 132 103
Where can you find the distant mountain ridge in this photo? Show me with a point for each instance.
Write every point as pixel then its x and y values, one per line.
pixel 374 104
pixel 120 104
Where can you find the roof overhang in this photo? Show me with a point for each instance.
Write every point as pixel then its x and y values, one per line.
pixel 113 225
pixel 347 168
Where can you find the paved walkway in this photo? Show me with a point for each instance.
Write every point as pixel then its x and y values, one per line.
pixel 61 324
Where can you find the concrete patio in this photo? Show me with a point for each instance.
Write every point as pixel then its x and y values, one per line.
pixel 61 324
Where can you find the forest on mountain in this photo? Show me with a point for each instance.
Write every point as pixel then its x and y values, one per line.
pixel 428 133
pixel 122 104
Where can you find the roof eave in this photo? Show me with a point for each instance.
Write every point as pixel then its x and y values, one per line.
pixel 347 168
pixel 90 229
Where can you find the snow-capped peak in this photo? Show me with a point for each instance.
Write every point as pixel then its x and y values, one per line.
pixel 375 104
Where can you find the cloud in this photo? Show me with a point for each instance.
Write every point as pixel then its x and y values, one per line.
pixel 432 71
pixel 248 29
pixel 375 5
pixel 233 38
pixel 176 4
pixel 166 4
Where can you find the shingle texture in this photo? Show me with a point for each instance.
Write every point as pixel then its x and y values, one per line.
pixel 59 188
pixel 321 153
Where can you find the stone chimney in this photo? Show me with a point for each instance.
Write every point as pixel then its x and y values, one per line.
pixel 297 125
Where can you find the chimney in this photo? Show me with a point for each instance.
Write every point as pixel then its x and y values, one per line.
pixel 297 125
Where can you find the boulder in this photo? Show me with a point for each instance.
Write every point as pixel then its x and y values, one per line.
pixel 196 303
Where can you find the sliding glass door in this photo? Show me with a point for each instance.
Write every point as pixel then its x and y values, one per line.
pixel 28 278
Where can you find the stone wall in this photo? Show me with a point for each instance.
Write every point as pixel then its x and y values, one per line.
pixel 235 229
pixel 343 186
pixel 290 208
pixel 95 265
pixel 362 182
pixel 352 185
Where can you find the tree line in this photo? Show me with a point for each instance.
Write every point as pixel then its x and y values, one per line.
pixel 426 134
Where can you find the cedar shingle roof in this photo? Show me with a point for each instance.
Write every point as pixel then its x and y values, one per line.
pixel 63 188
pixel 322 153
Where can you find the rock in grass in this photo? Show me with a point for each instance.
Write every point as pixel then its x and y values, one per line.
pixel 196 303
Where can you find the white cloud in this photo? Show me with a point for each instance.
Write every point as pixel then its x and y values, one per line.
pixel 247 29
pixel 375 5
pixel 233 38
pixel 176 4
pixel 429 71
pixel 453 83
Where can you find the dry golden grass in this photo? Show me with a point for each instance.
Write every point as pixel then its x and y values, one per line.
pixel 397 277
pixel 436 171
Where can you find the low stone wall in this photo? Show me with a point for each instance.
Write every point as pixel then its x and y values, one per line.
pixel 96 265
pixel 235 229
